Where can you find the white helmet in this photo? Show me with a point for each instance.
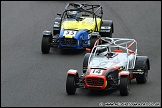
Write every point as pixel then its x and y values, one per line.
pixel 72 14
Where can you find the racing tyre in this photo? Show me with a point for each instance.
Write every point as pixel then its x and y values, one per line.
pixel 106 34
pixel 70 84
pixel 85 62
pixel 45 47
pixel 110 35
pixel 143 78
pixel 124 86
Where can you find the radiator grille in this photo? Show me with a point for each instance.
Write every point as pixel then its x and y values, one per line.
pixel 68 41
pixel 95 81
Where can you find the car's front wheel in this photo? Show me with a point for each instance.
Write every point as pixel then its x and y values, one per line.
pixel 45 46
pixel 70 84
pixel 124 86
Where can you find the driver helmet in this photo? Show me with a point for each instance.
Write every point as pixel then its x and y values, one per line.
pixel 72 14
pixel 104 53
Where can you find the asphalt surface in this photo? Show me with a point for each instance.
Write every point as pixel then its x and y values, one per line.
pixel 32 79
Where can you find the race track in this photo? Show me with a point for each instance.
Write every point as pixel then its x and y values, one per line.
pixel 32 79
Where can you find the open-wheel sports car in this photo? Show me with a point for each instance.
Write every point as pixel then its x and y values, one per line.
pixel 111 64
pixel 78 27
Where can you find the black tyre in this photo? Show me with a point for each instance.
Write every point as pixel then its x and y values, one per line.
pixel 45 47
pixel 110 35
pixel 85 62
pixel 106 34
pixel 70 84
pixel 124 86
pixel 144 77
pixel 107 23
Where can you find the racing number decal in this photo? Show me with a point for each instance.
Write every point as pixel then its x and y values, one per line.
pixel 69 33
pixel 66 32
pixel 96 71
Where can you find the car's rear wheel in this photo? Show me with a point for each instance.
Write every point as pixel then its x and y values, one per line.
pixel 70 84
pixel 85 62
pixel 110 35
pixel 124 86
pixel 144 77
pixel 45 46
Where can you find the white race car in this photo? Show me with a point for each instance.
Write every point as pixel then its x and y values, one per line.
pixel 112 63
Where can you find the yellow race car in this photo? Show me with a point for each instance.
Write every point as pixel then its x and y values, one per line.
pixel 78 27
